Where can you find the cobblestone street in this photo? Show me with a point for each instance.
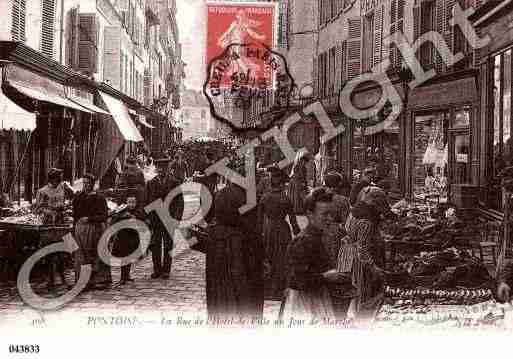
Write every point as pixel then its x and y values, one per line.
pixel 184 293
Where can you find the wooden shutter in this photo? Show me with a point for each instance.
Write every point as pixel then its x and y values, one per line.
pixel 315 75
pixel 47 27
pixel 449 30
pixel 147 87
pixel 88 43
pixel 18 20
pixel 112 56
pixel 72 43
pixel 354 48
pixel 378 35
pixel 338 67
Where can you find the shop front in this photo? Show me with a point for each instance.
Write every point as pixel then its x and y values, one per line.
pixel 439 128
pixel 378 142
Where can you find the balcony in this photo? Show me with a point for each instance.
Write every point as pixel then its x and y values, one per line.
pixel 152 12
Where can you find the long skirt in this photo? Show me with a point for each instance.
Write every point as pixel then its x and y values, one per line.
pixel 234 278
pixel 87 236
pixel 307 305
pixel 277 237
pixel 297 192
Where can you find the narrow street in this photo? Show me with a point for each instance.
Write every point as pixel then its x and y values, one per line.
pixel 183 293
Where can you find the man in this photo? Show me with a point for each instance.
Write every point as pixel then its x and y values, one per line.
pixel 310 270
pixel 133 178
pixel 365 180
pixel 162 241
pixel 179 168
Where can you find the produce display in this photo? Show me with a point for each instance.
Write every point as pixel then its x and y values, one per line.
pixel 454 296
pixel 407 313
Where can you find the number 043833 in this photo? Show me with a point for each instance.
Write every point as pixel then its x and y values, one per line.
pixel 23 349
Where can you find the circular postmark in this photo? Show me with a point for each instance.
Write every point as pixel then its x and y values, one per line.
pixel 248 87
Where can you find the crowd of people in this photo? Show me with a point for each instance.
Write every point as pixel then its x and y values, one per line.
pixel 333 266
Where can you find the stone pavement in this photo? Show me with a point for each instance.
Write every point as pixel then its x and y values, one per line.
pixel 184 292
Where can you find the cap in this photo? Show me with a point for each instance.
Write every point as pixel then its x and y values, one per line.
pixel 54 172
pixel 162 161
pixel 131 160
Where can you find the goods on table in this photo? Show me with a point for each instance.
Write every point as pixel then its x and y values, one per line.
pixel 454 296
pixel 27 219
pixel 406 313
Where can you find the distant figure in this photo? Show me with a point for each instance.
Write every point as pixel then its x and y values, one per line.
pixel 132 178
pixel 298 187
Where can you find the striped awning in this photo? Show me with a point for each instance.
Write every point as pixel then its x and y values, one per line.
pixel 120 114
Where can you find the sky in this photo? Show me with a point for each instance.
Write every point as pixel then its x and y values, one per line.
pixel 192 31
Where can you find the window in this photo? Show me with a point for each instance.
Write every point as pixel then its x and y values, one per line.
pixel 396 25
pixel 18 20
pixel 47 27
pixel 501 144
pixel 430 146
pixel 368 40
pixel 427 18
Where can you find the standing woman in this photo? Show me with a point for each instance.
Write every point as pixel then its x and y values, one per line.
pixel 90 216
pixel 234 269
pixel 275 206
pixel 368 259
pixel 298 186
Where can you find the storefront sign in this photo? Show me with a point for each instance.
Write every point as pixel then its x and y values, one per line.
pixel 34 81
pixel 369 98
pixel 444 94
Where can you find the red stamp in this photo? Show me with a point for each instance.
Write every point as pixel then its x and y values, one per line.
pixel 233 25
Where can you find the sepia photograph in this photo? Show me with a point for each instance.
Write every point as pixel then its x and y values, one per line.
pixel 339 167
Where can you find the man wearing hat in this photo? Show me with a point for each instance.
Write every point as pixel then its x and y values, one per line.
pixel 50 205
pixel 132 179
pixel 162 241
pixel 365 180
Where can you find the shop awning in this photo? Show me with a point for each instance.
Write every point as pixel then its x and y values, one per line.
pixel 14 117
pixel 444 94
pixel 48 97
pixel 119 112
pixel 142 120
pixel 89 106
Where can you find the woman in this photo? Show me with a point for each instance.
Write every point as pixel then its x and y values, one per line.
pixel 310 270
pixel 50 205
pixel 90 215
pixel 364 253
pixel 297 186
pixel 234 269
pixel 274 207
pixel 127 239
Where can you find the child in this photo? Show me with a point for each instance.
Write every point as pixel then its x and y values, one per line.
pixel 127 239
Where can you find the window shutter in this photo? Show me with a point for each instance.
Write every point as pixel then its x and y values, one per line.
pixel 338 67
pixel 147 87
pixel 72 44
pixel 440 28
pixel 449 30
pixel 88 43
pixel 315 75
pixel 354 48
pixel 47 27
pixel 378 35
pixel 18 20
pixel 416 22
pixel 112 56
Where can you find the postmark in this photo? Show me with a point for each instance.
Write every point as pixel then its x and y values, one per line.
pixel 246 86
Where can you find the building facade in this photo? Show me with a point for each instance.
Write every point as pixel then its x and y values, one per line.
pixel 96 75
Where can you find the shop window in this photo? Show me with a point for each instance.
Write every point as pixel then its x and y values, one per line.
pixel 368 39
pixel 461 118
pixel 430 153
pixel 461 161
pixel 500 134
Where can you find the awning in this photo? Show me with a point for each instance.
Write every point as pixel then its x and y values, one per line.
pixel 47 97
pixel 142 120
pixel 14 117
pixel 119 112
pixel 444 94
pixel 88 105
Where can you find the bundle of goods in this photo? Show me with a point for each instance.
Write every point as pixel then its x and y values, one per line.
pixel 26 219
pixel 406 313
pixel 453 296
